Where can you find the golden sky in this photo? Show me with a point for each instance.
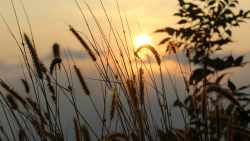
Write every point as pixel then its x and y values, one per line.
pixel 48 27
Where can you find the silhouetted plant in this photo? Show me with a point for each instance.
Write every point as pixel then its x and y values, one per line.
pixel 205 28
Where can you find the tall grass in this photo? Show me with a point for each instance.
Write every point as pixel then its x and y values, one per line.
pixel 42 120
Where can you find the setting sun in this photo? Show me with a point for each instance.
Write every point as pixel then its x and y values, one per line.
pixel 142 39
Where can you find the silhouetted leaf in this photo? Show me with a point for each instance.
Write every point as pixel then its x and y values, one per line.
pixel 229 32
pixel 244 99
pixel 178 14
pixel 164 40
pixel 181 3
pixel 220 78
pixel 219 9
pixel 242 88
pixel 238 61
pixel 182 22
pixel 229 62
pixel 231 85
pixel 227 11
pixel 198 75
pixel 211 2
pixel 232 5
pixel 245 14
pixel 241 13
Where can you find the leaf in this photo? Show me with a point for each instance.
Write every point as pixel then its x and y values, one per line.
pixel 229 32
pixel 182 21
pixel 245 14
pixel 244 99
pixel 211 3
pixel 227 11
pixel 231 85
pixel 226 1
pixel 198 75
pixel 169 30
pixel 219 9
pixel 178 14
pixel 242 88
pixel 229 62
pixel 232 5
pixel 238 61
pixel 220 78
pixel 241 13
pixel 164 40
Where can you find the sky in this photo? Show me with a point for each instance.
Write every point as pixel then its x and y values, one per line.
pixel 47 19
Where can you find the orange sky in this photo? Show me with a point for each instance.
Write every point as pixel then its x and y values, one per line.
pixel 48 27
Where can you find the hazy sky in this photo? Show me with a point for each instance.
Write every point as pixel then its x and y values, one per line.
pixel 48 28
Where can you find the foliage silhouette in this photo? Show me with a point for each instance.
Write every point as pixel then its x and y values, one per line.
pixel 205 28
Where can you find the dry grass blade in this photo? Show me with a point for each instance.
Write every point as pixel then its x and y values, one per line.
pixel 152 49
pixel 37 110
pixel 141 86
pixel 14 93
pixel 38 127
pixel 179 135
pixel 230 129
pixel 141 124
pixel 82 82
pixel 56 50
pixel 134 137
pixel 115 135
pixel 186 129
pixel 84 44
pixel 53 64
pixel 242 130
pixel 85 131
pixel 204 105
pixel 21 135
pixel 77 130
pixel 12 101
pixel 113 104
pixel 223 92
pixel 133 93
pixel 26 85
pixel 34 57
pixel 218 123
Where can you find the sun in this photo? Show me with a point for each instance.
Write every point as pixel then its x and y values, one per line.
pixel 142 39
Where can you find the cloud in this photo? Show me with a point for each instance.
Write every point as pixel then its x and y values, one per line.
pixel 77 54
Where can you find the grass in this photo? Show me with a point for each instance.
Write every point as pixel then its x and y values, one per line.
pixel 123 75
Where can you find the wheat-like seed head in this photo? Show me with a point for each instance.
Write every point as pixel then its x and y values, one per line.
pixel 34 57
pixel 141 86
pixel 77 130
pixel 218 122
pixel 82 82
pixel 53 64
pixel 85 131
pixel 230 128
pixel 10 98
pixel 84 44
pixel 115 135
pixel 26 85
pixel 152 49
pixel 113 104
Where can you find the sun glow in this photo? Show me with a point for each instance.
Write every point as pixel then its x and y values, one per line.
pixel 142 39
